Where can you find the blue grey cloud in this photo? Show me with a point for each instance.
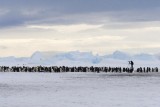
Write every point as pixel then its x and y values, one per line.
pixel 22 12
pixel 81 5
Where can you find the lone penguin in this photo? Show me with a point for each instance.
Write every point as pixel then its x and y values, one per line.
pixel 131 63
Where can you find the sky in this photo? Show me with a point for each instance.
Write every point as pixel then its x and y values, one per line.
pixel 98 26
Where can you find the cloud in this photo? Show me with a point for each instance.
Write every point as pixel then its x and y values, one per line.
pixel 3 47
pixel 29 12
pixel 88 25
pixel 66 28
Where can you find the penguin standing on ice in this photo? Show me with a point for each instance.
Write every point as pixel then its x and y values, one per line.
pixel 132 68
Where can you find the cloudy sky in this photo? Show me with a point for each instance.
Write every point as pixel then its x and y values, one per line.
pixel 100 26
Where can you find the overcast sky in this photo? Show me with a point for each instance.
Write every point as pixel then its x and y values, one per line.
pixel 99 26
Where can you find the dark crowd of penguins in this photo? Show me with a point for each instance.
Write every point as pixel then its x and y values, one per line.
pixel 57 69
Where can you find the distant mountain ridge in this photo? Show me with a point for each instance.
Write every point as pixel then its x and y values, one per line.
pixel 76 58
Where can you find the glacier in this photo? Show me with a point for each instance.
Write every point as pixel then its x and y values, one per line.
pixel 77 58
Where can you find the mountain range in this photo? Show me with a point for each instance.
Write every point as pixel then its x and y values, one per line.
pixel 77 58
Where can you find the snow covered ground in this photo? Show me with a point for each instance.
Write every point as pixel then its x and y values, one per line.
pixel 78 90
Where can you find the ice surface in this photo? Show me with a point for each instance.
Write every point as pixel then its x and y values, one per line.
pixel 78 90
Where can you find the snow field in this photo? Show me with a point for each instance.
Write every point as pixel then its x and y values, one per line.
pixel 78 90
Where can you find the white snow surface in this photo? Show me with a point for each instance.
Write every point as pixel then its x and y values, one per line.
pixel 79 90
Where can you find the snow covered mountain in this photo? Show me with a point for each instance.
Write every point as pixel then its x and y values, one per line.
pixel 76 58
pixel 119 56
pixel 145 57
